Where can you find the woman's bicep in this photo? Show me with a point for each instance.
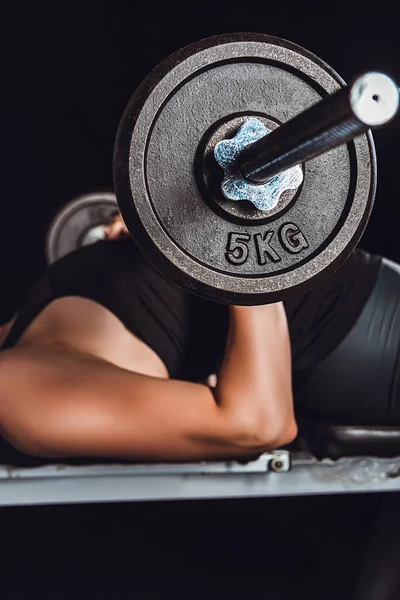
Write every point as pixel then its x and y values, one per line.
pixel 144 418
pixel 67 406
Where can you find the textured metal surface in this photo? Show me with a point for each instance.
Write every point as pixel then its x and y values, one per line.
pixel 371 100
pixel 79 223
pixel 172 214
pixel 119 483
pixel 235 187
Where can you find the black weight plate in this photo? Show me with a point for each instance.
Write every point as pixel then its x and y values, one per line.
pixel 160 172
pixel 79 223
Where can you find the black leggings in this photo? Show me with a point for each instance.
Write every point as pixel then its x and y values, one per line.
pixel 359 381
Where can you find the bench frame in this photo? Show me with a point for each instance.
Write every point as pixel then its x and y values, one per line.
pixel 299 474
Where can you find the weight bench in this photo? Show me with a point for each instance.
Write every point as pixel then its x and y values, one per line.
pixel 326 458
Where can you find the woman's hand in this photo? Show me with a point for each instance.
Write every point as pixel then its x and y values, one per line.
pixel 116 229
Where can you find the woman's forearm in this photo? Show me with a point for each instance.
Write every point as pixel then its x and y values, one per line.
pixel 255 378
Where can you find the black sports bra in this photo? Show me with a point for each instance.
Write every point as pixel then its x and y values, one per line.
pixel 188 333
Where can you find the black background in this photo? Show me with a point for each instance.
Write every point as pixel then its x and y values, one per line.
pixel 68 69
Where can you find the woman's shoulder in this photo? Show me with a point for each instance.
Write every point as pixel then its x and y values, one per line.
pixel 41 368
pixel 25 367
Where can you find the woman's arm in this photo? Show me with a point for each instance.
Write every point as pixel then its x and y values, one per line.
pixel 256 374
pixel 59 403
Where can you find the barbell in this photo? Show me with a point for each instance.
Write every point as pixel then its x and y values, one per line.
pixel 245 168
